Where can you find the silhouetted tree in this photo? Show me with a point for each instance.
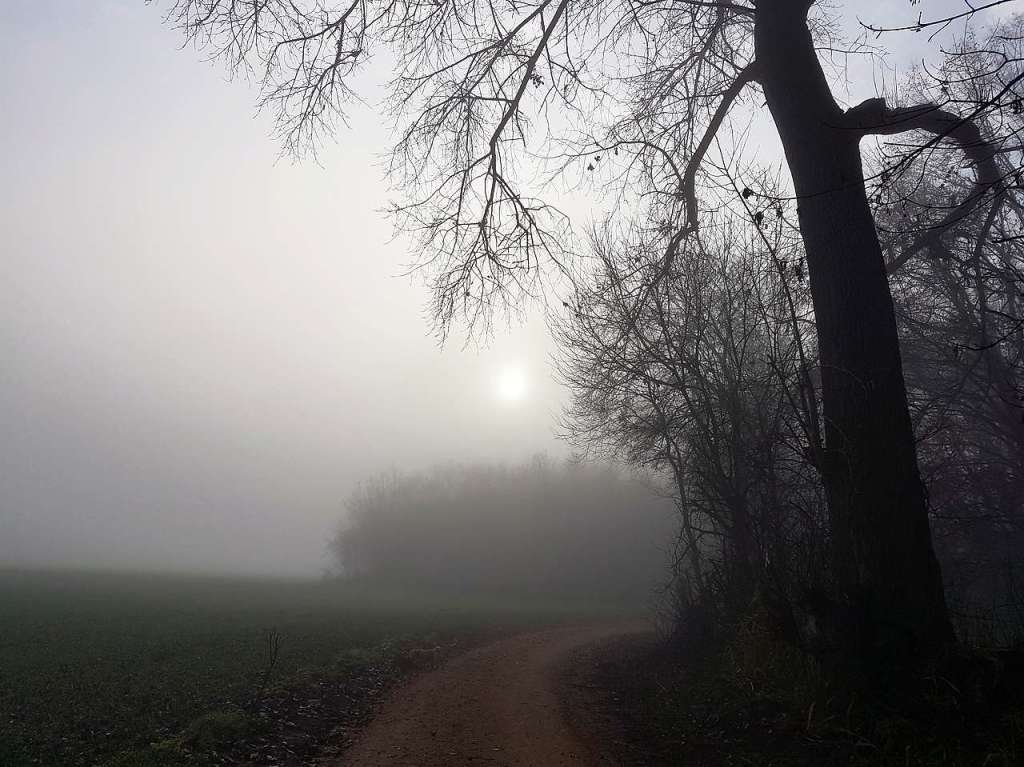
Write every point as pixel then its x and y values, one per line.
pixel 654 82
pixel 704 376
pixel 958 303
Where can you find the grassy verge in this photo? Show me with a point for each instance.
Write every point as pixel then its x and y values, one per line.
pixel 756 701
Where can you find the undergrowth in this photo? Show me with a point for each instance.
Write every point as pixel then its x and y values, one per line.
pixel 751 698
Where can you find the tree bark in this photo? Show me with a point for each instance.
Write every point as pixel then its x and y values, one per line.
pixel 884 561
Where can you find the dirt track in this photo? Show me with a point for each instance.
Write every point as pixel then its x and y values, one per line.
pixel 496 705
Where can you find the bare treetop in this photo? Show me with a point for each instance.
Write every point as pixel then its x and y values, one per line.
pixel 479 89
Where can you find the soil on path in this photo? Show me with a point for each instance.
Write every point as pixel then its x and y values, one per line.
pixel 499 704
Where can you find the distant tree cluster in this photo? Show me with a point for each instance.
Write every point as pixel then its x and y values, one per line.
pixel 540 529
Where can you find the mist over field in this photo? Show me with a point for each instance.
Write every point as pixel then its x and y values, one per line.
pixel 207 349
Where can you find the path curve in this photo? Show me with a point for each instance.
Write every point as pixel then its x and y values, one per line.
pixel 495 705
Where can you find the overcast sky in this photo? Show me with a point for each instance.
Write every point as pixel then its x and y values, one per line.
pixel 203 350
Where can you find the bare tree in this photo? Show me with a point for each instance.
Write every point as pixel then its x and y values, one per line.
pixel 701 376
pixel 638 93
pixel 958 304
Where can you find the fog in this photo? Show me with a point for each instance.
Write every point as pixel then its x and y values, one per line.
pixel 205 349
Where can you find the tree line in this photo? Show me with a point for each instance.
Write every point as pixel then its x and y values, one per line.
pixel 541 529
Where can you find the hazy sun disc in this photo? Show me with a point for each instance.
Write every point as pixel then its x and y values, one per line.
pixel 511 385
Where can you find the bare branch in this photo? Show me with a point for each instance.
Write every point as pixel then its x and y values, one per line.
pixel 873 117
pixel 944 21
pixel 688 185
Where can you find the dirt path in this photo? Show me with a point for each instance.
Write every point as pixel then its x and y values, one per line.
pixel 496 705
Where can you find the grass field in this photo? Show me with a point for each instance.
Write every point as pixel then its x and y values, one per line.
pixel 129 669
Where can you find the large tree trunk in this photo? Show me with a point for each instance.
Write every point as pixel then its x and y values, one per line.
pixel 884 561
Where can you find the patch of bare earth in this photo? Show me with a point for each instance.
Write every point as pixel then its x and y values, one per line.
pixel 501 704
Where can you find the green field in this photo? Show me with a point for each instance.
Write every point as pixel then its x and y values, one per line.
pixel 138 669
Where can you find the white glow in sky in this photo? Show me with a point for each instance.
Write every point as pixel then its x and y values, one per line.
pixel 512 384
pixel 205 348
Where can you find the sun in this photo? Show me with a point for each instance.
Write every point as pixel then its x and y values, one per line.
pixel 511 385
